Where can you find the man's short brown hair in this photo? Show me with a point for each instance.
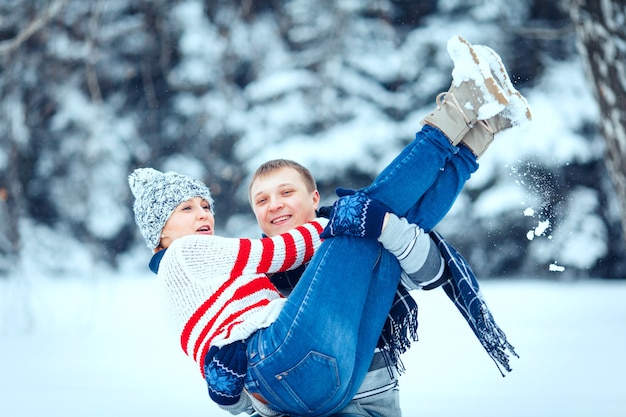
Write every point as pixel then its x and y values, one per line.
pixel 275 164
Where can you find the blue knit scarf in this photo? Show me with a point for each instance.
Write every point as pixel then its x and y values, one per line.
pixel 462 288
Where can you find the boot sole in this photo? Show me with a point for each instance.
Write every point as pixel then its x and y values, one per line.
pixel 499 71
pixel 468 51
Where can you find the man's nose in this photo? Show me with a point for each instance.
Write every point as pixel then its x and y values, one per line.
pixel 276 204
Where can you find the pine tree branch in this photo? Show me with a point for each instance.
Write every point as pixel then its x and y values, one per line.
pixel 34 26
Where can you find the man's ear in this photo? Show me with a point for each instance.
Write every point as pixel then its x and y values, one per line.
pixel 316 199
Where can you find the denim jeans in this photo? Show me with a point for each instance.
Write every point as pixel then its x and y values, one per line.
pixel 312 359
pixel 425 168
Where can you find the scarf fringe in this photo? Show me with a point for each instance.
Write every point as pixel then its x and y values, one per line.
pixel 397 337
pixel 494 341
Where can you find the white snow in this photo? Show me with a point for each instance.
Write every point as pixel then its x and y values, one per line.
pixel 556 268
pixel 467 69
pixel 99 348
pixel 541 228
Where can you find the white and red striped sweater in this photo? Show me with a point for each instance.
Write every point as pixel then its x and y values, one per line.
pixel 217 290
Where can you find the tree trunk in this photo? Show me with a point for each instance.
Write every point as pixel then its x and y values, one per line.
pixel 601 32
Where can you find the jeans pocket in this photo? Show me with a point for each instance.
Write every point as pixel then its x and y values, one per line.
pixel 313 382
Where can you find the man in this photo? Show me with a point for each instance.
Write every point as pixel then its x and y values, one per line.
pixel 283 195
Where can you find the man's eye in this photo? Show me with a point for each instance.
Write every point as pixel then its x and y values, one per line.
pixel 261 201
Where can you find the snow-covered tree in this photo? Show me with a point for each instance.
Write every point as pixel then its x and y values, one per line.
pixel 601 29
pixel 91 90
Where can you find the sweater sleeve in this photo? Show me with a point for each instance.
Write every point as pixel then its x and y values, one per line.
pixel 244 405
pixel 421 261
pixel 215 256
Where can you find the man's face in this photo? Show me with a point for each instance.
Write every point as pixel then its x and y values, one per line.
pixel 281 201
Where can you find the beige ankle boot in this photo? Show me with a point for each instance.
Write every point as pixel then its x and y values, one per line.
pixel 516 113
pixel 474 94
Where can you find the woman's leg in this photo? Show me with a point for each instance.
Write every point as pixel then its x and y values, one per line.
pixel 313 358
pixel 438 199
pixel 420 164
pixel 477 102
pixel 405 181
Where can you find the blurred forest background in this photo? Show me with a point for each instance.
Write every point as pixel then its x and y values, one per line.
pixel 92 89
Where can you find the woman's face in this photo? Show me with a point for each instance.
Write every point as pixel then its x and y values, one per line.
pixel 192 217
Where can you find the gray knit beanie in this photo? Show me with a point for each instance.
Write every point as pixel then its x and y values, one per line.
pixel 157 194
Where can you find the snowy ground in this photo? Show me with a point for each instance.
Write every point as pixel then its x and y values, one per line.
pixel 100 349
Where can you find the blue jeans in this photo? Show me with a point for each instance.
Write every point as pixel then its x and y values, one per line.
pixel 312 359
pixel 424 169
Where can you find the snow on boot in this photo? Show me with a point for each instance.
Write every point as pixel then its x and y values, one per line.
pixel 473 95
pixel 518 110
pixel 516 113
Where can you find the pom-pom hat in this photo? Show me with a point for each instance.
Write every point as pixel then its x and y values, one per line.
pixel 157 194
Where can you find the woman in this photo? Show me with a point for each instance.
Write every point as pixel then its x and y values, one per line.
pixel 235 324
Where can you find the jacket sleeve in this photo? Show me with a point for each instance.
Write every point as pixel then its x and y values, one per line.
pixel 286 281
pixel 419 257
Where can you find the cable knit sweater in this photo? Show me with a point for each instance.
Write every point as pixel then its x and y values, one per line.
pixel 217 289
